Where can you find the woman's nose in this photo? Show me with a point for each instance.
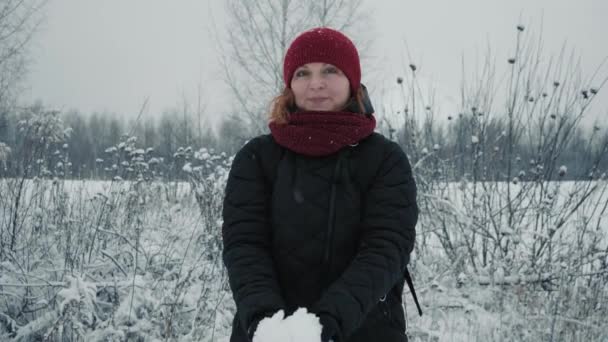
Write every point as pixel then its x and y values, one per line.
pixel 316 82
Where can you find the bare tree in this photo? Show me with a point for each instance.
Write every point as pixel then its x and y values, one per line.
pixel 18 22
pixel 259 33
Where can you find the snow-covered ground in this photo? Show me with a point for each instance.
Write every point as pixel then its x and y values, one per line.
pixel 114 261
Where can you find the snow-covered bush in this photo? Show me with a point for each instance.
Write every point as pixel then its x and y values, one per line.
pixel 501 242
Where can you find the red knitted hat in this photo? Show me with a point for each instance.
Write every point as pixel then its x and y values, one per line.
pixel 323 45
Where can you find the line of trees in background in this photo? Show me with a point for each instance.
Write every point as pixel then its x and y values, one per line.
pixel 90 143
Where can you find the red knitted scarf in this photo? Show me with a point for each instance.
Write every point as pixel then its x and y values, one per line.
pixel 322 133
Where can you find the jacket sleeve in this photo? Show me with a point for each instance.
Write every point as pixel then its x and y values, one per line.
pixel 388 235
pixel 246 235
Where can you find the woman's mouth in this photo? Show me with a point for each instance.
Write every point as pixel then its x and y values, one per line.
pixel 318 99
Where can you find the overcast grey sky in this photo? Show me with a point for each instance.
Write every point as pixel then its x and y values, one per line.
pixel 112 54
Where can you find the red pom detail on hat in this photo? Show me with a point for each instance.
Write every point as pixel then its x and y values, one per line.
pixel 323 45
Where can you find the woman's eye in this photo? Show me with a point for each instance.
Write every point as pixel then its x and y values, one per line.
pixel 301 73
pixel 330 71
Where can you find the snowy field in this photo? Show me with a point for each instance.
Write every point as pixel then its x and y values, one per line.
pixel 116 261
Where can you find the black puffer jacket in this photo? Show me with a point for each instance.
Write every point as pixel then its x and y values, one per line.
pixel 332 234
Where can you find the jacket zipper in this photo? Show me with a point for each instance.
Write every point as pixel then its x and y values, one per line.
pixel 331 217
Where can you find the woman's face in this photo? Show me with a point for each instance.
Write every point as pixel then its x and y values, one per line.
pixel 320 87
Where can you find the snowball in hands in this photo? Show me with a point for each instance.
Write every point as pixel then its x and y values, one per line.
pixel 272 329
pixel 302 326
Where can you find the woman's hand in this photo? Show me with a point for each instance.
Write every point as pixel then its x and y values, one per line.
pixel 330 332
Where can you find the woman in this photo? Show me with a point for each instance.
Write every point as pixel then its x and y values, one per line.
pixel 321 213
